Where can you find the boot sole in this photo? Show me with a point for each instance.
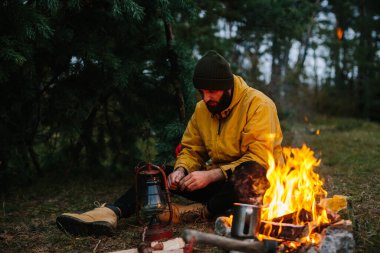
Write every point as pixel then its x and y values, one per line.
pixel 77 227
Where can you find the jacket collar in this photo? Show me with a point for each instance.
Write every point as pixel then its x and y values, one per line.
pixel 240 87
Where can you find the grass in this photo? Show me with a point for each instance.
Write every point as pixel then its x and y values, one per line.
pixel 350 153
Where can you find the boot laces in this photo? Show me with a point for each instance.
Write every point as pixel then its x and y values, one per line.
pixel 97 204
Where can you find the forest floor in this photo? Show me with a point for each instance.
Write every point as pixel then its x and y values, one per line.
pixel 350 153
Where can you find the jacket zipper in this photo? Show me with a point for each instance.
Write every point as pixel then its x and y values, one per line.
pixel 216 147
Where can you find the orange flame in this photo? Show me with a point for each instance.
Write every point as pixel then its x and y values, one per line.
pixel 339 33
pixel 294 187
pixel 318 132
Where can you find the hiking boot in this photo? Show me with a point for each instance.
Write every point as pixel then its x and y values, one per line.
pixel 186 213
pixel 99 221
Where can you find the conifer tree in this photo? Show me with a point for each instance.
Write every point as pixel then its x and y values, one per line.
pixel 84 83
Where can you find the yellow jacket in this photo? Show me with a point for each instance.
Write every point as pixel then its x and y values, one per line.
pixel 246 131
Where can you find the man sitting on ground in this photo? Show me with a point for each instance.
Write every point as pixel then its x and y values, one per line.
pixel 233 128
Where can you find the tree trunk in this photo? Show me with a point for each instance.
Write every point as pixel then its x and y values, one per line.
pixel 35 161
pixel 365 71
pixel 275 68
pixel 174 72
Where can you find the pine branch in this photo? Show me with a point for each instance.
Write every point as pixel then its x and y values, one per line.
pixel 129 8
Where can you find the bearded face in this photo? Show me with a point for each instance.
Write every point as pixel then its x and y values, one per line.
pixel 216 101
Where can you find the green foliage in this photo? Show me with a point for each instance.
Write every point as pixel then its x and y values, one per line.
pixel 128 8
pixel 87 85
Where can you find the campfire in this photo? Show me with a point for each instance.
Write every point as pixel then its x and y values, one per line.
pixel 291 209
pixel 295 210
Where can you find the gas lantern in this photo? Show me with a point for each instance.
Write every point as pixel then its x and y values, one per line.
pixel 153 199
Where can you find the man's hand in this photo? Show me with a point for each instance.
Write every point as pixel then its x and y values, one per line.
pixel 200 179
pixel 175 177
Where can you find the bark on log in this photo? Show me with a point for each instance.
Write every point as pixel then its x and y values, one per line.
pixel 343 224
pixel 283 230
pixel 224 242
pixel 303 216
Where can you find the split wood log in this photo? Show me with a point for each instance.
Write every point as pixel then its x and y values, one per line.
pixel 303 215
pixel 336 203
pixel 342 224
pixel 285 231
pixel 306 216
pixel 228 243
pixel 135 250
pixel 175 245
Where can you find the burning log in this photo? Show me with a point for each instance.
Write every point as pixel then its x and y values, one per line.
pixel 303 216
pixel 287 226
pixel 286 231
pixel 342 224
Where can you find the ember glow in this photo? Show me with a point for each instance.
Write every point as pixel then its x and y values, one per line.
pixel 339 33
pixel 295 190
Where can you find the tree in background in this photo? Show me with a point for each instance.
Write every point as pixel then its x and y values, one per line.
pixel 84 82
pixel 351 87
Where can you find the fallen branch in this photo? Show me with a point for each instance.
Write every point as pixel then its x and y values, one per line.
pixel 228 243
pixel 96 247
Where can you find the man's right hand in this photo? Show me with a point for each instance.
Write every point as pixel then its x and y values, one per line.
pixel 175 177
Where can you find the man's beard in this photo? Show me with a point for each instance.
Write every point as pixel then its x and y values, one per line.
pixel 223 103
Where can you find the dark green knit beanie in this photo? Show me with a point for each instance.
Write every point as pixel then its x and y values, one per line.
pixel 213 72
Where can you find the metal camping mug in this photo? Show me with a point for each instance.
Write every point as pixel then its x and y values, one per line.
pixel 245 221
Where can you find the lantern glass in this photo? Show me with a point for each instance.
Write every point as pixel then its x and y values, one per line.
pixel 153 199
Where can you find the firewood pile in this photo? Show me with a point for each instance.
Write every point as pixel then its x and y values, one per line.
pixel 337 236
